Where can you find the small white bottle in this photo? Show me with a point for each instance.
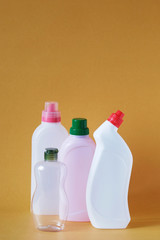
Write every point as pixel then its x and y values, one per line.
pixel 108 182
pixel 49 203
pixel 50 133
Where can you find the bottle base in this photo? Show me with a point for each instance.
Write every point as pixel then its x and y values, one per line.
pixel 48 223
pixel 111 225
pixel 77 220
pixel 78 217
pixel 51 228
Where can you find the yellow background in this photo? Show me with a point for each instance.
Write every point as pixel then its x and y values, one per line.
pixel 93 57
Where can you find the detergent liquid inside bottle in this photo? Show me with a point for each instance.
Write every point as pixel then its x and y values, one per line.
pixel 108 182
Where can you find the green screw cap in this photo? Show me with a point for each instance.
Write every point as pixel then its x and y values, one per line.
pixel 51 154
pixel 79 127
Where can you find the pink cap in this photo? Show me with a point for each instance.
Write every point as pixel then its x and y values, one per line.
pixel 51 113
pixel 116 118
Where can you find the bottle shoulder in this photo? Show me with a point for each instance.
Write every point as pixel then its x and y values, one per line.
pixel 108 140
pixel 37 130
pixel 48 128
pixel 71 143
pixel 77 141
pixel 42 165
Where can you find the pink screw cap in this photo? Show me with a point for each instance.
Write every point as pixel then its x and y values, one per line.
pixel 51 113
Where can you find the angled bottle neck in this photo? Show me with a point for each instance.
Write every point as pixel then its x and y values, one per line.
pixel 104 129
pixel 111 126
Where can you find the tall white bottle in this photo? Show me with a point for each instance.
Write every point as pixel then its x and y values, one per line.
pixel 108 182
pixel 49 134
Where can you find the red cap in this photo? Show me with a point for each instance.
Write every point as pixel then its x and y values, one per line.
pixel 116 118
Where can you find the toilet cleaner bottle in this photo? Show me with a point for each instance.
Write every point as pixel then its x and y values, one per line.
pixel 109 177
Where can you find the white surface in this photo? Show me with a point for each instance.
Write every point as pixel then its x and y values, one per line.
pixel 108 182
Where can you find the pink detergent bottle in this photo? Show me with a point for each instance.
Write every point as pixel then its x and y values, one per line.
pixel 77 153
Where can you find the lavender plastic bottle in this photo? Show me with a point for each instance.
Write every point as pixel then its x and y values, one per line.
pixel 77 153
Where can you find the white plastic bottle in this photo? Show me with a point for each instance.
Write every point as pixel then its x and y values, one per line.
pixel 108 182
pixel 49 134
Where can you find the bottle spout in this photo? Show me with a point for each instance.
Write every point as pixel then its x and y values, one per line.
pixel 51 106
pixel 116 118
pixel 51 113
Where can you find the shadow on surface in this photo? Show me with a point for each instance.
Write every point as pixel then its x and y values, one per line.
pixel 138 223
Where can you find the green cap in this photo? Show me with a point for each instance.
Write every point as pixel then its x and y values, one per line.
pixel 79 127
pixel 51 154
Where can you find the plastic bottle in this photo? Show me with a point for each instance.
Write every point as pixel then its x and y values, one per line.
pixel 49 200
pixel 50 133
pixel 77 153
pixel 108 182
